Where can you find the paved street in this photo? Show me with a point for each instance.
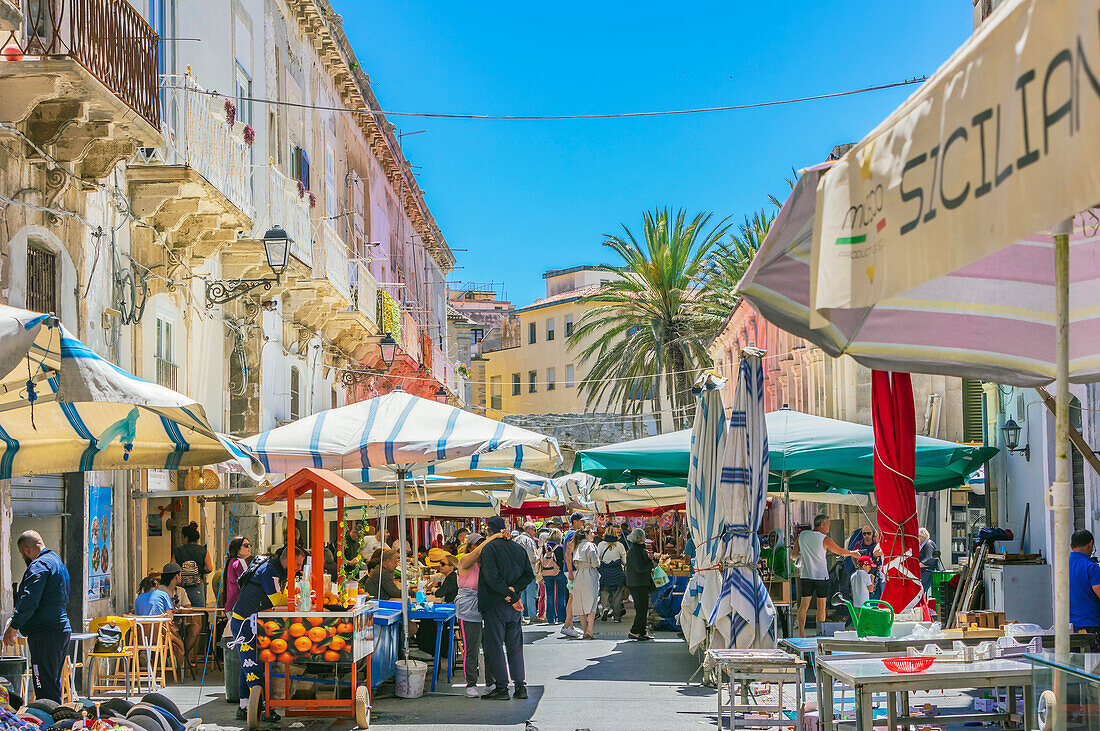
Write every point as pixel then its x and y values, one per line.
pixel 573 684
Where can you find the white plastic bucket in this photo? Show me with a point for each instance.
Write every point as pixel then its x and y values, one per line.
pixel 410 678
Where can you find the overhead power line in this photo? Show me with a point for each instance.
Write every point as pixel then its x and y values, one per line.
pixel 553 117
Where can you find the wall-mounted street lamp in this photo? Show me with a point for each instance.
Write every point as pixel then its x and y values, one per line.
pixel 388 346
pixel 1011 433
pixel 441 395
pixel 354 376
pixel 277 249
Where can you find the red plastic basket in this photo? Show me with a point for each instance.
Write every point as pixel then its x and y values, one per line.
pixel 907 664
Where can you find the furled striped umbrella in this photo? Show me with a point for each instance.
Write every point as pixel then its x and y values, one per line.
pixel 742 495
pixel 705 516
pixel 65 409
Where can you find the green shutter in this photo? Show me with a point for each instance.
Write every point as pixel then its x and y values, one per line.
pixel 973 430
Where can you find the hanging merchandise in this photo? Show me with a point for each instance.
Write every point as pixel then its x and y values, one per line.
pixel 619 519
pixel 637 523
pixel 665 519
pixel 601 520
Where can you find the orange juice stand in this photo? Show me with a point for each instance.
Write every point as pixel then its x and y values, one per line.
pixel 332 635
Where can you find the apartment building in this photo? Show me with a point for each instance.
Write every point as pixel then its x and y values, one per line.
pixel 152 167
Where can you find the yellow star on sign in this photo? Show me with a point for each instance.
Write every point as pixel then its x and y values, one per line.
pixel 865 162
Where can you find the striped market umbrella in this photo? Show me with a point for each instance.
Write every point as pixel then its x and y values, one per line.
pixel 65 409
pixel 992 320
pixel 742 496
pixel 705 516
pixel 393 435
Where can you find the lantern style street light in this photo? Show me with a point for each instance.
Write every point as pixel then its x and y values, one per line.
pixel 388 346
pixel 441 395
pixel 1011 433
pixel 277 250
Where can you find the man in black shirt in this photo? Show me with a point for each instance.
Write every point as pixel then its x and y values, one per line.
pixel 505 572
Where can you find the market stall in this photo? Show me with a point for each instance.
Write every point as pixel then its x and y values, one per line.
pixel 325 633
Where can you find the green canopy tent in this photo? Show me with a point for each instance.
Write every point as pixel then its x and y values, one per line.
pixel 806 454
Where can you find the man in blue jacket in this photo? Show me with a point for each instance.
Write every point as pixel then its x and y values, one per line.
pixel 41 614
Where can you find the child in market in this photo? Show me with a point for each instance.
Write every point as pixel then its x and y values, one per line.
pixel 862 581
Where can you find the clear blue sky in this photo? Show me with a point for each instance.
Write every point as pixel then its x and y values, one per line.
pixel 523 197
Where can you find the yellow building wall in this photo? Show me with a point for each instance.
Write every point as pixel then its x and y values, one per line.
pixel 541 357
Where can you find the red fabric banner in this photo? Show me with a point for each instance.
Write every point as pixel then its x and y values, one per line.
pixel 895 456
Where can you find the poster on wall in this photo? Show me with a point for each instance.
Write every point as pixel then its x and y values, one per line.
pixel 100 526
pixel 156 525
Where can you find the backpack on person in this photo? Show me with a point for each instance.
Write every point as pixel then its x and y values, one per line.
pixel 189 574
pixel 548 562
pixel 246 577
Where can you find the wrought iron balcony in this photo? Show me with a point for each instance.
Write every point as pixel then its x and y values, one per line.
pixel 285 206
pixel 107 39
pixel 166 372
pixel 197 188
pixel 11 17
pixel 333 256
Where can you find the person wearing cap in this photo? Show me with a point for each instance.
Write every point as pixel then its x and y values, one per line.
pixel 639 582
pixel 505 573
pixel 41 614
pixel 530 598
pixel 158 602
pixel 466 610
pixel 576 521
pixel 263 589
pixel 863 584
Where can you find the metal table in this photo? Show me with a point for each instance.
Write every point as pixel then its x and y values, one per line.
pixel 830 645
pixel 444 616
pixel 803 647
pixel 762 666
pixel 868 676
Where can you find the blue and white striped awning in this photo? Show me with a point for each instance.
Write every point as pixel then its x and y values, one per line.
pixel 65 409
pixel 371 440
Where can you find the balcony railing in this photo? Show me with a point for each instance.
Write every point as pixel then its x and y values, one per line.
pixel 166 372
pixel 197 134
pixel 334 258
pixel 364 288
pixel 284 207
pixel 109 38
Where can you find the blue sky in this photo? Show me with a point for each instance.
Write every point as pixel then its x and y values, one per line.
pixel 522 197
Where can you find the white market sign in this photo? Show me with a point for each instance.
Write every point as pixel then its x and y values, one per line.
pixel 1001 143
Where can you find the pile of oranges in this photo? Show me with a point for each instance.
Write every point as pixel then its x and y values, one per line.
pixel 304 639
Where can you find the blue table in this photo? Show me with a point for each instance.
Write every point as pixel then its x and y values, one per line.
pixel 444 616
pixel 387 645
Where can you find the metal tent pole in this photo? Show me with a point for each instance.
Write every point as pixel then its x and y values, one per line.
pixel 791 617
pixel 1060 495
pixel 401 533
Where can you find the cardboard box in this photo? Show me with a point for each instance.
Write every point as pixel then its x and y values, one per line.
pixel 779 590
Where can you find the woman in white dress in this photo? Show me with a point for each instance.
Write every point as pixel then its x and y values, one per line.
pixel 586 581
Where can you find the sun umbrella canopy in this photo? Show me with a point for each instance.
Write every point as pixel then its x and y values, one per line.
pixel 993 319
pixel 65 409
pixel 815 453
pixel 396 431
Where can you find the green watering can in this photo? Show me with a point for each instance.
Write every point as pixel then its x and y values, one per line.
pixel 874 619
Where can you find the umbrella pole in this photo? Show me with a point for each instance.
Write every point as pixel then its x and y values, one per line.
pixel 791 616
pixel 401 534
pixel 1061 491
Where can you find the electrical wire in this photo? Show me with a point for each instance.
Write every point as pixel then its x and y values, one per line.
pixel 562 117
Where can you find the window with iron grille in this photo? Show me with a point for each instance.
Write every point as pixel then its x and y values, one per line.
pixel 295 400
pixel 41 280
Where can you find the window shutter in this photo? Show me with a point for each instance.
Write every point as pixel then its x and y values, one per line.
pixel 973 430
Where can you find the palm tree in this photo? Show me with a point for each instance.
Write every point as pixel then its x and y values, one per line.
pixel 652 323
pixel 728 261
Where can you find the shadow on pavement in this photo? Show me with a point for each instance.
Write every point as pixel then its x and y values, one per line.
pixel 646 662
pixel 452 708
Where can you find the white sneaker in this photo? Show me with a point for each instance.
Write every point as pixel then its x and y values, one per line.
pixel 571 632
pixel 472 691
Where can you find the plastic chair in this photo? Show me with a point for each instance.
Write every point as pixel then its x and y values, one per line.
pixel 125 652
